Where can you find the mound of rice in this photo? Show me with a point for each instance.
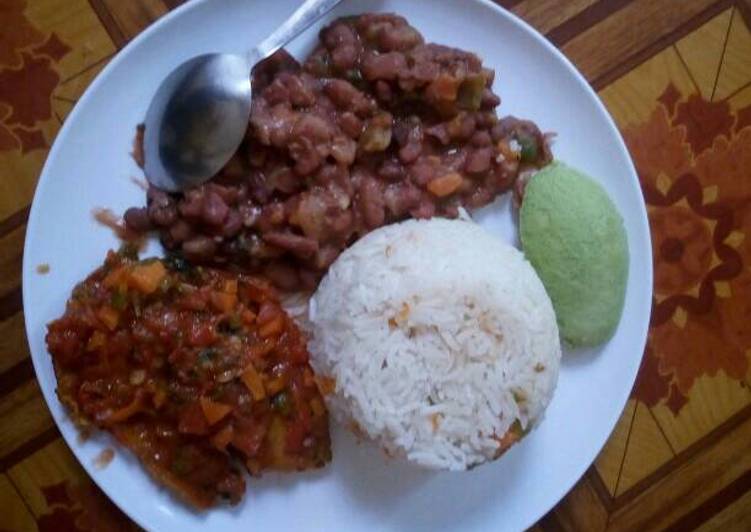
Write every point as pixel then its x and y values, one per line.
pixel 441 341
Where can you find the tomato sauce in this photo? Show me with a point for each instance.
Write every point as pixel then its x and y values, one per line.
pixel 196 371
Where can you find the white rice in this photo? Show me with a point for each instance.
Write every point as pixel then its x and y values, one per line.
pixel 439 337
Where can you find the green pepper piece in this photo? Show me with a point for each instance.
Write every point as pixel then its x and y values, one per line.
pixel 206 356
pixel 177 263
pixel 128 250
pixel 470 93
pixel 529 147
pixel 180 463
pixel 281 403
pixel 119 300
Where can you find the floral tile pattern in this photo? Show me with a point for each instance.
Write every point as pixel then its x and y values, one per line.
pixel 27 79
pixel 693 162
pixel 680 91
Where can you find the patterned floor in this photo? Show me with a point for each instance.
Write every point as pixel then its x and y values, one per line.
pixel 676 76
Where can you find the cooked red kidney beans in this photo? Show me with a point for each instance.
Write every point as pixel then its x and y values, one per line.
pixel 374 127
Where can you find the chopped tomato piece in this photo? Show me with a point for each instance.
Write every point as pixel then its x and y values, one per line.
pixel 294 437
pixel 195 300
pixel 254 467
pixel 132 408
pixel 268 312
pixel 192 420
pixel 249 437
pixel 262 349
pixel 317 407
pixel 308 379
pixel 303 415
pixel 272 328
pixel 201 333
pixel 299 355
pixel 159 397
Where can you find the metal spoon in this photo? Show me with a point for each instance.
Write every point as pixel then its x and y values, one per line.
pixel 199 115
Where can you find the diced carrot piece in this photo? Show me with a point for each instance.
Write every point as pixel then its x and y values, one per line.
pixel 435 420
pixel 96 341
pixel 109 317
pixel 116 278
pixel 307 378
pixel 513 435
pixel 260 350
pixel 256 290
pixel 213 411
pixel 230 286
pixel 253 382
pixel 275 385
pixel 221 439
pixel 147 277
pixel 403 314
pixel 326 385
pixel 445 88
pixel 159 397
pixel 223 301
pixel 254 467
pixel 131 409
pixel 248 316
pixel 317 407
pixel 268 312
pixel 272 328
pixel 299 354
pixel 445 185
pixel 277 444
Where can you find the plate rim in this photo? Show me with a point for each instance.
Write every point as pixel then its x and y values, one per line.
pixel 34 217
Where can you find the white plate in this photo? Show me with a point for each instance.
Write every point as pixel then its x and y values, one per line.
pixel 90 166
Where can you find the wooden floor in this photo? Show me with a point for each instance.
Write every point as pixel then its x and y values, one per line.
pixel 676 76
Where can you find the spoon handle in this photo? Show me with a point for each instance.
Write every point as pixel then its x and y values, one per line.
pixel 309 12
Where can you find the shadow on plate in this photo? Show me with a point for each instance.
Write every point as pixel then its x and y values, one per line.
pixel 401 496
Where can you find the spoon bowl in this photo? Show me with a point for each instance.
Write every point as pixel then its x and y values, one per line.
pixel 197 120
pixel 198 116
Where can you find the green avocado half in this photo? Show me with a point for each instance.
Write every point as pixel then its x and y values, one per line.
pixel 574 237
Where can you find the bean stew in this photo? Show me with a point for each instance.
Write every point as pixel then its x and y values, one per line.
pixel 376 126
